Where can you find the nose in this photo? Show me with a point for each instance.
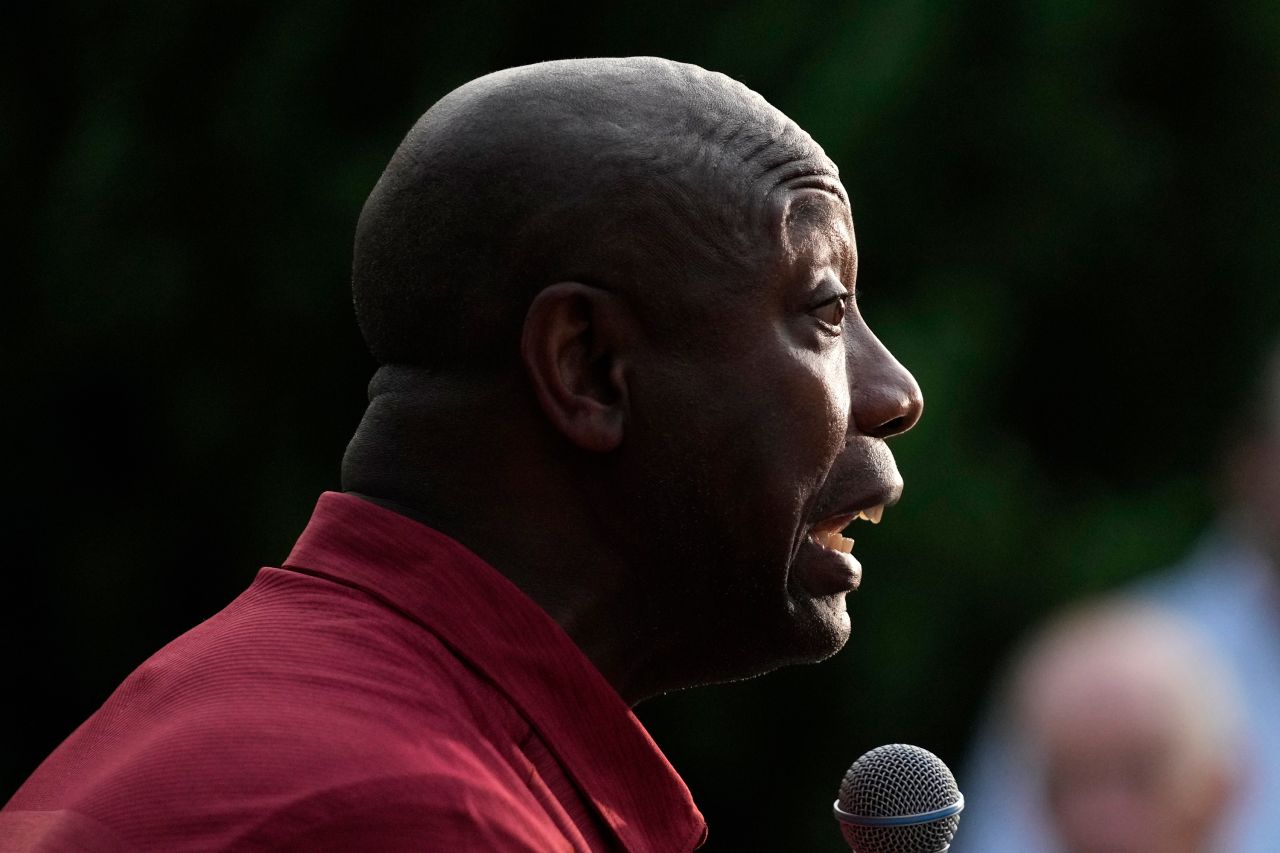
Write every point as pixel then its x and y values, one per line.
pixel 884 396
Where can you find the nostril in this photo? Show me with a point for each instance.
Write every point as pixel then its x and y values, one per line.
pixel 884 398
pixel 891 416
pixel 892 427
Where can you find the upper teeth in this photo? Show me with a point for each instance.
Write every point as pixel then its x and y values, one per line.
pixel 872 514
pixel 831 537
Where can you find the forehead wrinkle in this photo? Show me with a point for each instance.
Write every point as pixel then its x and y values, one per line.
pixel 706 176
pixel 708 196
pixel 711 173
pixel 654 173
pixel 725 222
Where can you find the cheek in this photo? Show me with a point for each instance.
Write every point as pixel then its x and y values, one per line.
pixel 837 387
pixel 814 392
pixel 823 393
pixel 752 441
pixel 808 408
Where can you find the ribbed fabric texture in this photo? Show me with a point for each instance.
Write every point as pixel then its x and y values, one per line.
pixel 385 691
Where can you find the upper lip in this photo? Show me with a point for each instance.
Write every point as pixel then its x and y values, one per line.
pixel 870 502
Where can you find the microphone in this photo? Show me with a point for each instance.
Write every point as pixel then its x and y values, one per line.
pixel 899 799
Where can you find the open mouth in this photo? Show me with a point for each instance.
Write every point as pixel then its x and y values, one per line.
pixel 829 533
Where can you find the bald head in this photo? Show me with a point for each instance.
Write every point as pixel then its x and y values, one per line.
pixel 622 361
pixel 626 174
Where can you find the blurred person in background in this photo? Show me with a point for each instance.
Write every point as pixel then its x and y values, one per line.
pixel 1130 724
pixel 1228 590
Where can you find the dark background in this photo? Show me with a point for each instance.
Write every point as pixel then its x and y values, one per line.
pixel 1066 213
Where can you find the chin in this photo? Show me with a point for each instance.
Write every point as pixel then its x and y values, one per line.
pixel 809 631
pixel 820 627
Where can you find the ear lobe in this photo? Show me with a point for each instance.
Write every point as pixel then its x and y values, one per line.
pixel 570 344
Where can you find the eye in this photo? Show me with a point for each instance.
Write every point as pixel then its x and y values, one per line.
pixel 831 311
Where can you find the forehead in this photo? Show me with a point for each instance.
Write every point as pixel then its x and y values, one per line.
pixel 810 224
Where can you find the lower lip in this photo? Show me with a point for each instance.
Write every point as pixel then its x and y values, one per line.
pixel 822 571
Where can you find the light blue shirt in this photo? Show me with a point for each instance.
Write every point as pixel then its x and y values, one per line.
pixel 1232 595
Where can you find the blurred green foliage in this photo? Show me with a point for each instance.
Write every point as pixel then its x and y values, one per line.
pixel 1066 214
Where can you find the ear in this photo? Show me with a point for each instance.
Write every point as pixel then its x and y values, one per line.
pixel 571 346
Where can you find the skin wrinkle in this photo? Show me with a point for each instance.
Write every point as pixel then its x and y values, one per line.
pixel 668 167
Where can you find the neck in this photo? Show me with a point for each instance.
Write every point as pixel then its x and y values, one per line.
pixel 472 459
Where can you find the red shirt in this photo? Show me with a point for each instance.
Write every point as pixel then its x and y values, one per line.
pixel 385 691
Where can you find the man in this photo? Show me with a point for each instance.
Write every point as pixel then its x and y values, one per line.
pixel 1133 727
pixel 625 407
pixel 1228 589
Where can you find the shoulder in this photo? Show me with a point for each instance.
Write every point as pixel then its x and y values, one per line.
pixel 443 809
pixel 440 810
pixel 249 710
pixel 300 782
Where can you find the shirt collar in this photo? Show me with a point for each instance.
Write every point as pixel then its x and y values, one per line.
pixel 492 625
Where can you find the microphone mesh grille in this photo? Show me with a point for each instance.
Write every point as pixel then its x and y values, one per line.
pixel 895 781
